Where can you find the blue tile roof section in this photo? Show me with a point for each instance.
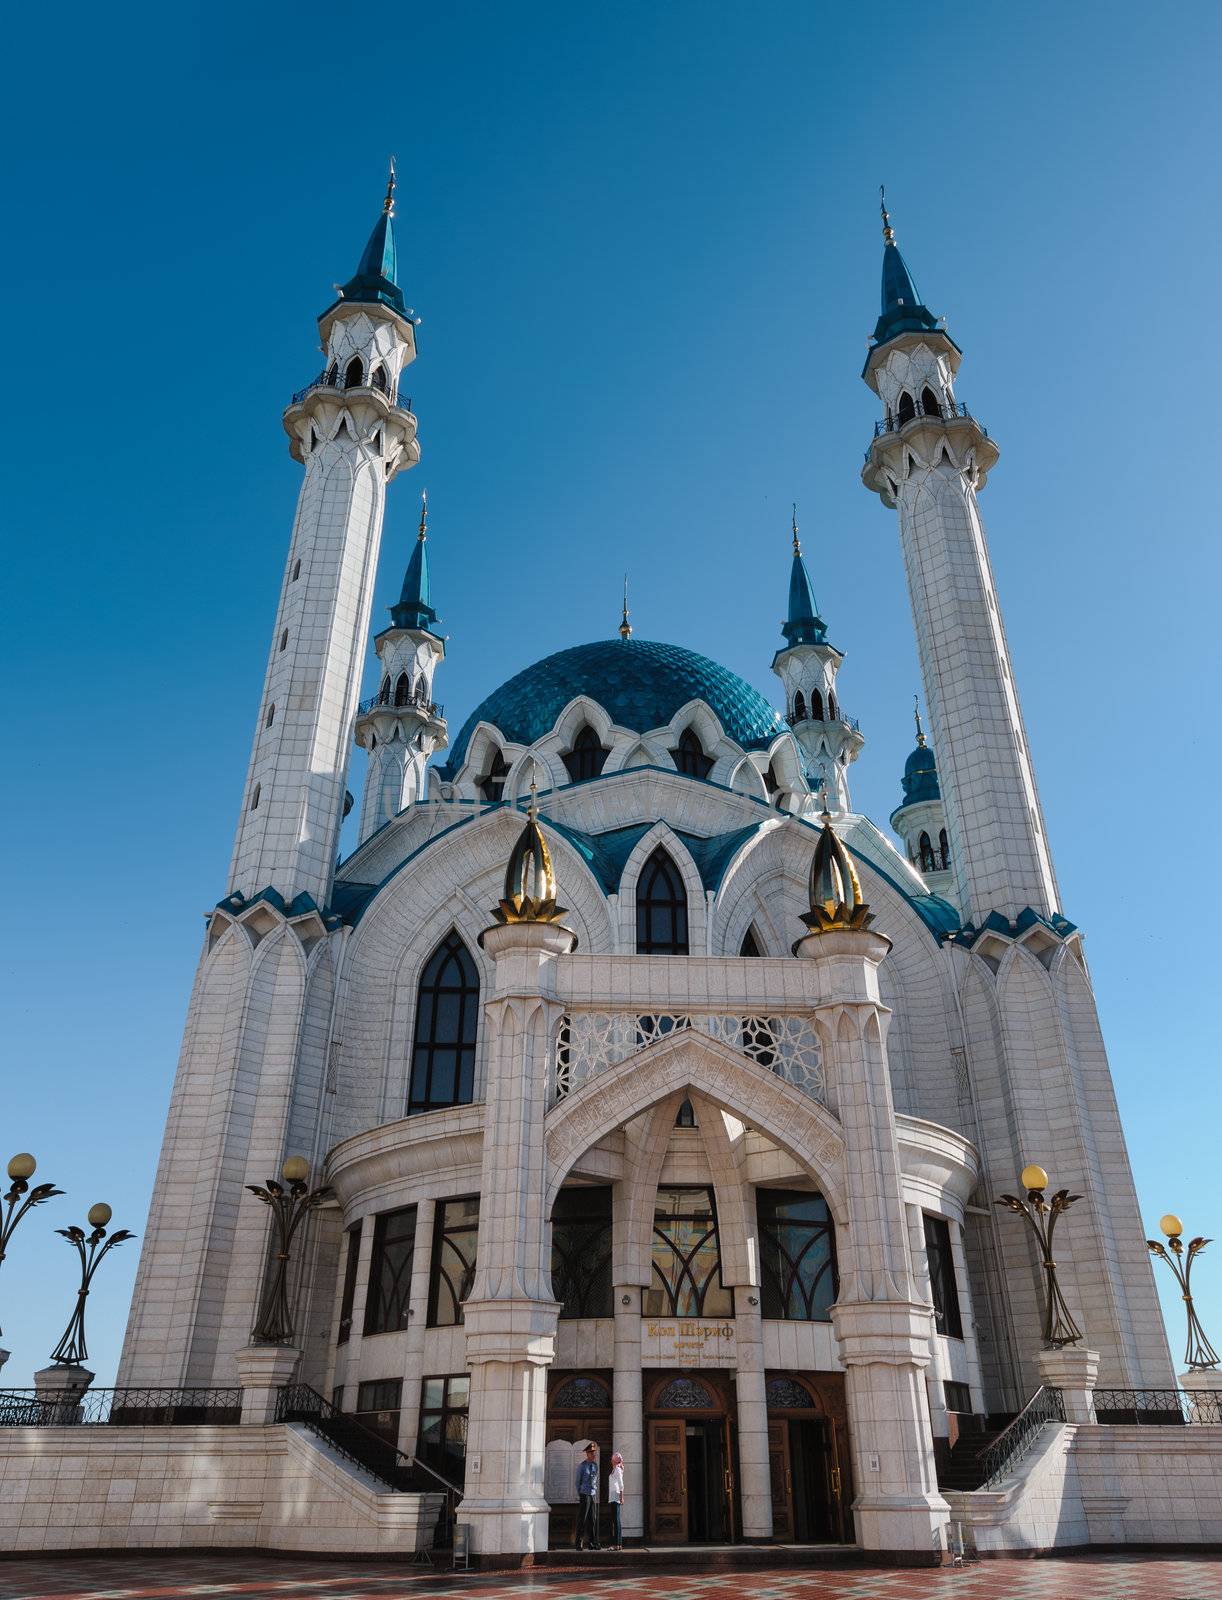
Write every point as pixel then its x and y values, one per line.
pixel 606 854
pixel 640 683
pixel 920 779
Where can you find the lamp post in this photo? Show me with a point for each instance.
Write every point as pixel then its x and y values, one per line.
pixel 1201 1355
pixel 289 1207
pixel 71 1350
pixel 1041 1215
pixel 21 1170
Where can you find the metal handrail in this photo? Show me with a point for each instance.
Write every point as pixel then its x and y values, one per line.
pixel 1013 1442
pixel 126 1407
pixel 892 422
pixel 850 722
pixel 1158 1407
pixel 414 703
pixel 334 380
pixel 297 1402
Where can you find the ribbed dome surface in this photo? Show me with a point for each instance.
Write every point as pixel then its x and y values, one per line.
pixel 638 682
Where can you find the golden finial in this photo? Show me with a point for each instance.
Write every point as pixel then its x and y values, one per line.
pixel 797 548
pixel 835 889
pixel 625 627
pixel 530 878
pixel 888 230
pixel 424 516
pixel 388 205
pixel 916 711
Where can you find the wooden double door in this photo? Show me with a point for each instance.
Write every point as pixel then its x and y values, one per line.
pixel 807 1462
pixel 690 1482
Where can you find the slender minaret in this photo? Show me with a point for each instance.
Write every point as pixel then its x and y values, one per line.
pixel 352 432
pixel 920 818
pixel 402 726
pixel 929 460
pixel 807 666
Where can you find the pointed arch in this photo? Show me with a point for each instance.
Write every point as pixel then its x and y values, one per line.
pixel 930 404
pixel 905 409
pixel 816 705
pixel 384 691
pixel 689 755
pixel 354 374
pixel 403 689
pixel 750 945
pixel 587 756
pixel 661 908
pixel 799 707
pixel 491 785
pixel 925 852
pixel 444 1038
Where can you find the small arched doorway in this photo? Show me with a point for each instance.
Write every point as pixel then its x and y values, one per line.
pixel 808 1461
pixel 691 1482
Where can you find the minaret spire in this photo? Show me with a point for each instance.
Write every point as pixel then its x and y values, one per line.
pixel 803 625
pixel 376 280
pixel 388 205
pixel 916 712
pixel 625 627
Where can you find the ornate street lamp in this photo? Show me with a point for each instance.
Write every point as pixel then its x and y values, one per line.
pixel 1201 1354
pixel 289 1208
pixel 21 1170
pixel 1041 1215
pixel 71 1350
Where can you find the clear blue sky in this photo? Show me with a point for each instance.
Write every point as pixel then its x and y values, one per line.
pixel 645 246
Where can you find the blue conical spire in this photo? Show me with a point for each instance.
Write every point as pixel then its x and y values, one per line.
pixel 803 625
pixel 415 608
pixel 377 276
pixel 902 310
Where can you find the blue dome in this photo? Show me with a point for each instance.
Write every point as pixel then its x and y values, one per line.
pixel 920 777
pixel 638 682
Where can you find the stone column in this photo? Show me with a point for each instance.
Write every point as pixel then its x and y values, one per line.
pixel 510 1315
pixel 1073 1371
pixel 755 1480
pixel 627 1401
pixel 62 1386
pixel 262 1370
pixel 883 1329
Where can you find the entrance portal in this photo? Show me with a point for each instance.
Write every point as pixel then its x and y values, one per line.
pixel 807 1458
pixel 689 1487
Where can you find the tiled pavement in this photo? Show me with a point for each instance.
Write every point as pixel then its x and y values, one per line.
pixel 257 1577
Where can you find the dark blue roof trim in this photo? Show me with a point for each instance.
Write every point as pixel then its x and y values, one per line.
pixel 234 904
pixel 1059 926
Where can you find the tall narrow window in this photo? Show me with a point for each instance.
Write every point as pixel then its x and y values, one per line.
pixel 377 377
pixel 925 851
pixel 587 757
pixel 689 757
pixel 945 1290
pixel 452 1272
pixel 442 1443
pixel 581 1251
pixel 390 1271
pixel 332 377
pixel 797 1255
pixel 492 784
pixel 296 570
pixel 799 707
pixel 403 689
pixel 354 375
pixel 348 1295
pixel 906 409
pixel 831 706
pixel 254 799
pixel 447 1014
pixel 661 908
pixel 929 403
pixel 384 692
pixel 816 705
pixel 686 1280
pixel 943 849
pixel 284 640
pixel 377 1407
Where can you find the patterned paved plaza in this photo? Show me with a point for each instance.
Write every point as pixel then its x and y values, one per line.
pixel 169 1577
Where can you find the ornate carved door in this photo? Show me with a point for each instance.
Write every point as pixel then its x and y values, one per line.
pixel 668 1481
pixel 781 1478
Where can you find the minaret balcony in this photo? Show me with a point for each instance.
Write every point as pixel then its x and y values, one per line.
pixel 840 720
pixel 922 433
pixel 334 380
pixel 428 708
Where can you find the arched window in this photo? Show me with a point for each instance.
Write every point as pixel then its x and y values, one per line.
pixel 906 409
pixel 816 705
pixel 929 403
pixel 587 757
pixel 799 707
pixel 384 691
pixel 688 755
pixel 925 850
pixel 403 689
pixel 685 1117
pixel 943 849
pixel 686 1257
pixel 296 570
pixel 354 374
pixel 447 1012
pixel 773 784
pixel 271 715
pixel 661 908
pixel 332 376
pixel 254 799
pixel 750 944
pixel 492 784
pixel 831 707
pixel 377 377
pixel 284 640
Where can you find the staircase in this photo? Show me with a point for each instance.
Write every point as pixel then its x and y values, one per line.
pixel 963 1469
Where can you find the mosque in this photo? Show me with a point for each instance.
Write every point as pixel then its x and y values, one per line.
pixel 663 1098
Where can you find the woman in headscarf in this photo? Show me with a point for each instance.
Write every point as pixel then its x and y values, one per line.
pixel 615 1497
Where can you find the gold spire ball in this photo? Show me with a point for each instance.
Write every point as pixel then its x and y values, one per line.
pixel 835 889
pixel 530 878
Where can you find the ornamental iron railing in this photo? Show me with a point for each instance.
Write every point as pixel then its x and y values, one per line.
pixel 591 1042
pixel 893 423
pixel 132 1408
pixel 335 380
pixel 297 1402
pixel 1159 1408
pixel 1014 1441
pixel 849 722
pixel 415 702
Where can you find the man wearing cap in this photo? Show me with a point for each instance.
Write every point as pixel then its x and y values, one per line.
pixel 587 1495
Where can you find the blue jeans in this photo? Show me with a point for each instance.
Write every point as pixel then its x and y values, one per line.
pixel 617 1530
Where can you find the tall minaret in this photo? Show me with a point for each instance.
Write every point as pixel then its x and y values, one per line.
pixel 352 433
pixel 920 818
pixel 807 666
pixel 401 727
pixel 929 459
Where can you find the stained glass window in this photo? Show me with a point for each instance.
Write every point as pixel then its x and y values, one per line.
pixel 390 1271
pixel 447 1015
pixel 787 1394
pixel 455 1240
pixel 686 1279
pixel 581 1252
pixel 797 1255
pixel 661 908
pixel 686 1394
pixel 581 1394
